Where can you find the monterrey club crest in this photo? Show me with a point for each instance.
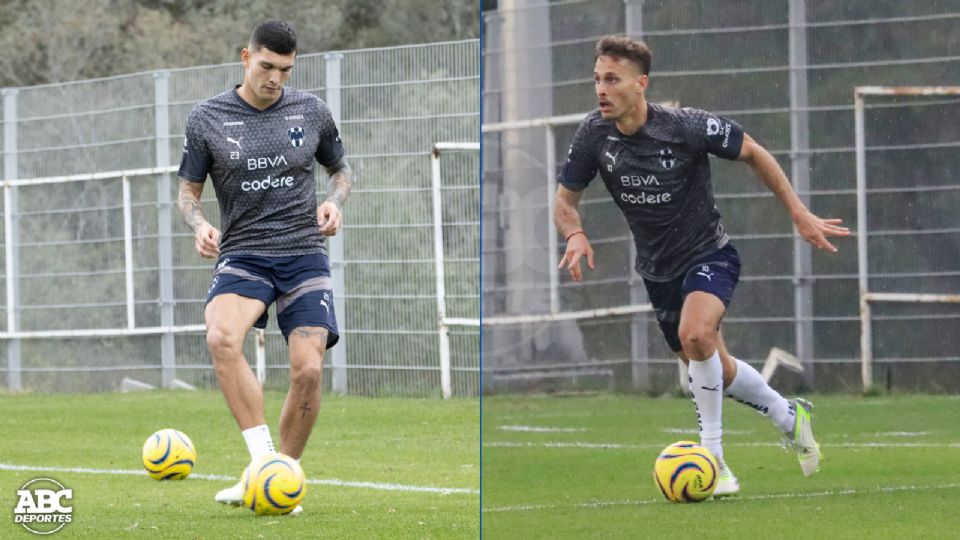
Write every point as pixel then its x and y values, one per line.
pixel 296 136
pixel 667 159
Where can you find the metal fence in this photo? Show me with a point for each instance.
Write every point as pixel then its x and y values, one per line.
pixel 786 71
pixel 64 248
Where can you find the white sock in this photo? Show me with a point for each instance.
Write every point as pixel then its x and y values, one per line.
pixel 706 383
pixel 258 440
pixel 749 388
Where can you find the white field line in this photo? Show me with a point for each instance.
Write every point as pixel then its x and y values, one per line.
pixel 691 431
pixel 224 478
pixel 620 446
pixel 902 433
pixel 536 429
pixel 679 431
pixel 726 500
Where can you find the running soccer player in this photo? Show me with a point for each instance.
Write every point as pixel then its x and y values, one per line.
pixel 653 160
pixel 258 142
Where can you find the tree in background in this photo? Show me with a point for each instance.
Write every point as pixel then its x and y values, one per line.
pixel 67 40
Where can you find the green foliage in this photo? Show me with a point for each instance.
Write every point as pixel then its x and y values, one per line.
pixel 96 38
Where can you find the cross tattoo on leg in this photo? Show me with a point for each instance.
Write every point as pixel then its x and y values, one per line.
pixel 305 408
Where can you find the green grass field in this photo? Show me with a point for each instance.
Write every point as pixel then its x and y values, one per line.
pixel 580 467
pixel 395 445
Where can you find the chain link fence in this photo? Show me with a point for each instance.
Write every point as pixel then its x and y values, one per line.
pixel 64 242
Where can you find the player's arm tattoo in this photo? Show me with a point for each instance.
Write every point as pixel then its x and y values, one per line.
pixel 341 180
pixel 188 200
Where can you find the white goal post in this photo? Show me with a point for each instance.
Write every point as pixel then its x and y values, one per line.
pixel 867 296
pixel 443 322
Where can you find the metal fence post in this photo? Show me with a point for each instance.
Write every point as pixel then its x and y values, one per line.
pixel 633 11
pixel 800 174
pixel 168 352
pixel 866 334
pixel 128 252
pixel 443 331
pixel 11 236
pixel 332 63
pixel 639 347
pixel 552 240
pixel 639 341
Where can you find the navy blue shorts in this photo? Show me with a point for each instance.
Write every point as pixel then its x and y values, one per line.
pixel 299 284
pixel 716 273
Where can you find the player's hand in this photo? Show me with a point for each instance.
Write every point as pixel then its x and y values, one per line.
pixel 577 247
pixel 329 218
pixel 207 241
pixel 816 230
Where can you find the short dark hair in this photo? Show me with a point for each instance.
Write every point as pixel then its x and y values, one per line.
pixel 623 47
pixel 277 36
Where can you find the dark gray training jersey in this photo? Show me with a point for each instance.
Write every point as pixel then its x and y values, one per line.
pixel 660 179
pixel 262 166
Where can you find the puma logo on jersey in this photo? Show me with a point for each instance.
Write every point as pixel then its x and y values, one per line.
pixel 613 160
pixel 235 141
pixel 705 272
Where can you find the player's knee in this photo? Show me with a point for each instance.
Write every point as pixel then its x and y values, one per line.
pixel 698 340
pixel 306 375
pixel 223 343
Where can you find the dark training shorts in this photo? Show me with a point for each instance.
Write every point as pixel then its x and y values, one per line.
pixel 299 284
pixel 716 273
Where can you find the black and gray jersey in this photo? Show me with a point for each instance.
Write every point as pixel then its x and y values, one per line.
pixel 262 166
pixel 660 179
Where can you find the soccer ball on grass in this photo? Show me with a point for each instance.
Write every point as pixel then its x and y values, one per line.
pixel 273 484
pixel 168 455
pixel 686 472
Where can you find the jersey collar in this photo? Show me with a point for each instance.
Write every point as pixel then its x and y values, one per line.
pixel 243 102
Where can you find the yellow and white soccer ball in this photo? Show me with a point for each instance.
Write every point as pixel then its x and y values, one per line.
pixel 273 484
pixel 169 455
pixel 686 472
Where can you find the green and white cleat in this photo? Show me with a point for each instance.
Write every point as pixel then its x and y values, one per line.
pixel 727 483
pixel 801 438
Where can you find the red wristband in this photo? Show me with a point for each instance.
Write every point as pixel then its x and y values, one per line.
pixel 574 233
